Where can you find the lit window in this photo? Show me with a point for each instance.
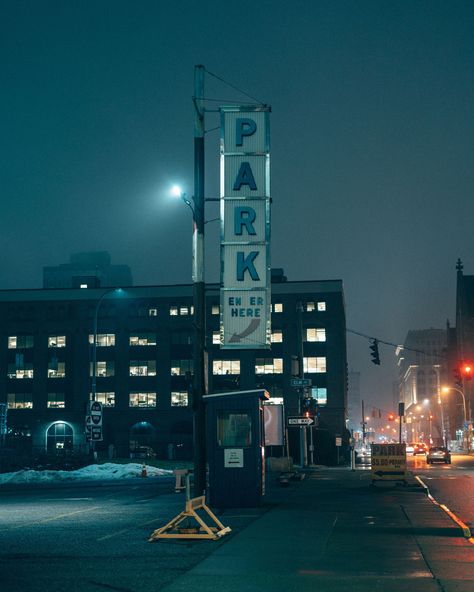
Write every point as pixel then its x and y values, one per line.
pixel 20 341
pixel 56 369
pixel 277 307
pixel 143 368
pixel 173 311
pixel 184 310
pixel 179 399
pixel 181 367
pixel 215 310
pixel 56 401
pixel 314 365
pixel 106 398
pixel 57 341
pixel 216 337
pixel 313 334
pixel 23 371
pixel 103 368
pixel 226 367
pixel 269 366
pixel 143 339
pixel 321 306
pixel 103 339
pixel 277 336
pixel 310 306
pixel 147 399
pixel 152 312
pixel 19 401
pixel 320 395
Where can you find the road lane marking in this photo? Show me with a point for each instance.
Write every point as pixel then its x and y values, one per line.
pixel 52 519
pixel 123 531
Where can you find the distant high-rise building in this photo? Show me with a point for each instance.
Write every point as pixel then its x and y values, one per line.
pixel 422 364
pixel 353 401
pixel 91 270
pixel 422 372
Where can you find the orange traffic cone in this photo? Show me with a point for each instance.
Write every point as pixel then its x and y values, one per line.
pixel 144 471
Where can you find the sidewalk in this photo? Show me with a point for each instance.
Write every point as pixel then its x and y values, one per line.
pixel 335 532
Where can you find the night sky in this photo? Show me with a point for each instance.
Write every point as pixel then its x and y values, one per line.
pixel 371 129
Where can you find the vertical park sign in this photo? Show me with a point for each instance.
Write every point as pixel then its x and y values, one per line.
pixel 245 228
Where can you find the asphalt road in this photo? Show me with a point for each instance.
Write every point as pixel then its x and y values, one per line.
pixel 87 538
pixel 451 485
pixel 93 537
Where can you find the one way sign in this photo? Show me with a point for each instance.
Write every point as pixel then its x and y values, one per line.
pixel 300 421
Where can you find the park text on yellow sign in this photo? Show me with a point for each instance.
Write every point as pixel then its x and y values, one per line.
pixel 389 462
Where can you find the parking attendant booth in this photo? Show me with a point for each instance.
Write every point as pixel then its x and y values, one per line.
pixel 236 448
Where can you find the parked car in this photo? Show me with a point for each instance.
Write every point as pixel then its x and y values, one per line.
pixel 420 448
pixel 438 454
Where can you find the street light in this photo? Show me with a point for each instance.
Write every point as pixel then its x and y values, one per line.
pixel 198 385
pixel 446 389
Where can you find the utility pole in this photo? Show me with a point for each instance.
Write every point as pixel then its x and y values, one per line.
pixel 363 424
pixel 199 382
pixel 303 435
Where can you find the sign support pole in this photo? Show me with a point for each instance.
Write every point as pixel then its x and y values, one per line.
pixel 199 287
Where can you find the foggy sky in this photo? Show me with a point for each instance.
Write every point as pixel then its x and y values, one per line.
pixel 371 135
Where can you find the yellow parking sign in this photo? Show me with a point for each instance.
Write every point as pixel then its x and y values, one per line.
pixel 389 462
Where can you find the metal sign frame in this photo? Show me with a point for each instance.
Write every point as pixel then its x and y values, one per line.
pixel 245 312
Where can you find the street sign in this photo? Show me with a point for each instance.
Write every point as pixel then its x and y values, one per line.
pixel 389 462
pixel 300 421
pixel 245 318
pixel 95 413
pixel 299 382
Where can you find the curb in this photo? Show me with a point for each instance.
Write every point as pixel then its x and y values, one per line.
pixel 465 529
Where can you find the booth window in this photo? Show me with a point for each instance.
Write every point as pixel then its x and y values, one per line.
pixel 234 429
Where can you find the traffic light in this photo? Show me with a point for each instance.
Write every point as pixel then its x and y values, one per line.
pixel 457 377
pixel 374 348
pixel 467 370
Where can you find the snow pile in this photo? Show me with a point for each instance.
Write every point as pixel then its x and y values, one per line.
pixel 89 473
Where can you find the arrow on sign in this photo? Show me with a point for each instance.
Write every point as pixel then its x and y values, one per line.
pixel 237 337
pixel 294 421
pixel 380 473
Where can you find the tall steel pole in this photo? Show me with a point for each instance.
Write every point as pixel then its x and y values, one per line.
pixel 199 288
pixel 303 434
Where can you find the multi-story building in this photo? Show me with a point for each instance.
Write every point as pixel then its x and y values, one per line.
pixel 459 397
pixel 144 364
pixel 422 372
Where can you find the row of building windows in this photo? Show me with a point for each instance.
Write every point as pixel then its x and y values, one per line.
pixel 152 311
pixel 135 399
pixel 148 399
pixel 311 334
pixel 106 368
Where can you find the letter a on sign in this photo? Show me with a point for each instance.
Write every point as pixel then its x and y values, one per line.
pixel 245 177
